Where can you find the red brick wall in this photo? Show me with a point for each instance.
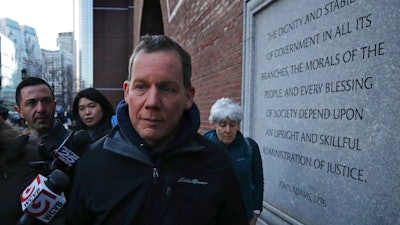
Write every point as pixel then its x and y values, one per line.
pixel 211 31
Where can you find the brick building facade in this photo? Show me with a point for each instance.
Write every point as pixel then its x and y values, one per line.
pixel 112 45
pixel 210 30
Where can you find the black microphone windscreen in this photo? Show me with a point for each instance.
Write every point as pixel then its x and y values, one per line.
pixel 44 153
pixel 57 181
pixel 81 139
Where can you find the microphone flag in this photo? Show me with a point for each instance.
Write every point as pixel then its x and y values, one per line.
pixel 39 201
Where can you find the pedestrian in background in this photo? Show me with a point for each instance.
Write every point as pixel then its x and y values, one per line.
pixel 92 112
pixel 16 174
pixel 225 116
pixel 154 167
pixel 35 104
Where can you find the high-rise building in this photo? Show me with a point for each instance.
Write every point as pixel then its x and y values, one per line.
pixel 8 67
pixel 12 30
pixel 21 56
pixel 83 35
pixel 104 35
pixel 59 74
pixel 65 41
pixel 32 57
pixel 20 51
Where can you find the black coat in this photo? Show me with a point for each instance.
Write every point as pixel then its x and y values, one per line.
pixel 248 169
pixel 191 182
pixel 16 175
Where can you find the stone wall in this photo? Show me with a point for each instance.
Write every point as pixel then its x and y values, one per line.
pixel 321 94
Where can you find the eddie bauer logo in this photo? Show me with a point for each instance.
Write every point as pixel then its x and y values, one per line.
pixel 191 181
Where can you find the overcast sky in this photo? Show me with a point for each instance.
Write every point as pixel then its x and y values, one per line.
pixel 48 17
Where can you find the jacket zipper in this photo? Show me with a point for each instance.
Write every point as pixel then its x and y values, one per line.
pixel 155 174
pixel 154 196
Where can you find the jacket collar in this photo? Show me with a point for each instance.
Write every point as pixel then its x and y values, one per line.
pixel 188 127
pixel 212 135
pixel 114 143
pixel 57 133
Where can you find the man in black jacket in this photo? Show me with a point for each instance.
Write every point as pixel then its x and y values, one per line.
pixel 154 168
pixel 36 105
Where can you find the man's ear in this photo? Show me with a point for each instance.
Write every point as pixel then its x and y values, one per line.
pixel 18 110
pixel 190 92
pixel 125 86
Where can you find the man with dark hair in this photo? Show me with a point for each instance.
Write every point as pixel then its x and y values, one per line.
pixel 35 104
pixel 154 167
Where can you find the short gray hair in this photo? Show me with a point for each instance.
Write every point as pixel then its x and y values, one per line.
pixel 157 43
pixel 225 108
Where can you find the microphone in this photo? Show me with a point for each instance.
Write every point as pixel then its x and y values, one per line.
pixel 66 155
pixel 81 139
pixel 43 198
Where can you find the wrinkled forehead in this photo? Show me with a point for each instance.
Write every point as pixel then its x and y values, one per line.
pixel 228 121
pixel 160 64
pixel 36 92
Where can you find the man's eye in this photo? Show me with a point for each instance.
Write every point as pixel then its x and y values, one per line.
pixel 31 103
pixel 47 101
pixel 139 86
pixel 168 89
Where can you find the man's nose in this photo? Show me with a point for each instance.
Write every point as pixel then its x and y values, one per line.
pixel 153 97
pixel 40 106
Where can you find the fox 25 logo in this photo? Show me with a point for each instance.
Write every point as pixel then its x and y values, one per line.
pixel 67 156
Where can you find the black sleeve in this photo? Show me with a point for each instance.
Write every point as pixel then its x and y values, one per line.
pixel 257 176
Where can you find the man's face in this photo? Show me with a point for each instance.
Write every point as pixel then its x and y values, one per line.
pixel 37 107
pixel 226 130
pixel 156 96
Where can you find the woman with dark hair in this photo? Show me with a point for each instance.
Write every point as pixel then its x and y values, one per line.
pixel 92 112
